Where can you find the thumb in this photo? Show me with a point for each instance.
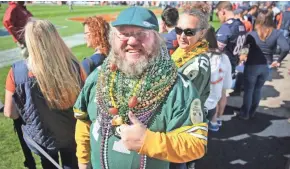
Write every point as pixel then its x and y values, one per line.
pixel 133 118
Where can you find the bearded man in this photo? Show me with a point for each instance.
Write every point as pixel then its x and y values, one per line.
pixel 136 111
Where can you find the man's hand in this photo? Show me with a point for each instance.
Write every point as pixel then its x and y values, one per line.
pixel 275 64
pixel 133 136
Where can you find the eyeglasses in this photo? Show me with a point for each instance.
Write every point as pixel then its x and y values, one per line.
pixel 187 32
pixel 140 35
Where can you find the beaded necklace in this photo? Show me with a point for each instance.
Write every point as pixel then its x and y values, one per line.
pixel 117 94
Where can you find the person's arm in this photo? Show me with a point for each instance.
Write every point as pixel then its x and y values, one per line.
pixel 222 36
pixel 82 137
pixel 284 45
pixel 82 134
pixel 185 144
pixel 9 108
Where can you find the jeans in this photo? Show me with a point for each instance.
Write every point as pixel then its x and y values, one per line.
pixel 270 76
pixel 238 81
pixel 255 77
pixel 68 159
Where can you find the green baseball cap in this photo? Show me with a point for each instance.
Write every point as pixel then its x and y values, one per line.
pixel 137 16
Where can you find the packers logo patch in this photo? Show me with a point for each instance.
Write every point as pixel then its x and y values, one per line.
pixel 196 114
pixel 191 71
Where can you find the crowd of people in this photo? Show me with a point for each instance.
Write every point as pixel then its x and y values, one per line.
pixel 150 92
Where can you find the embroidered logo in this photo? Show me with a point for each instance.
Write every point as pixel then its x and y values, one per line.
pixel 147 24
pixel 196 114
pixel 191 70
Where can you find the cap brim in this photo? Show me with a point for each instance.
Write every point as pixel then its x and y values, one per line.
pixel 117 23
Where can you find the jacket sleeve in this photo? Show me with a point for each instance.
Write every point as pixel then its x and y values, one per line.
pixel 182 145
pixel 202 81
pixel 82 137
pixel 284 45
pixel 82 134
pixel 185 138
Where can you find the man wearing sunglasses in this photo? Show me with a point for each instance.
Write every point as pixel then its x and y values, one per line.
pixel 232 33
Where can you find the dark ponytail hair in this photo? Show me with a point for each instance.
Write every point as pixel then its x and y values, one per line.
pixel 265 18
pixel 264 22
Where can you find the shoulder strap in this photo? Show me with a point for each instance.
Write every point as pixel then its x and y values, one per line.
pixel 45 154
pixel 91 64
pixel 20 72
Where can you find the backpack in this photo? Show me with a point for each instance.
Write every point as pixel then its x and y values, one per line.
pixel 39 121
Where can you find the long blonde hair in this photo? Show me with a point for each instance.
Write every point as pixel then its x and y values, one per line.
pixel 53 64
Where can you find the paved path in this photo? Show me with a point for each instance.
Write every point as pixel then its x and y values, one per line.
pixel 9 56
pixel 261 143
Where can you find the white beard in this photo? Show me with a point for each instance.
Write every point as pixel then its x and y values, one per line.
pixel 132 69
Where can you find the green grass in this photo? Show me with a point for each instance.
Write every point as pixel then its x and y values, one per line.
pixel 82 51
pixel 11 153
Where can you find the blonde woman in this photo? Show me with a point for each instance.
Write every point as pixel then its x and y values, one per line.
pixel 44 88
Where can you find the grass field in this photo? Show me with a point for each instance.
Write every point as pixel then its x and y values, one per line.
pixel 11 155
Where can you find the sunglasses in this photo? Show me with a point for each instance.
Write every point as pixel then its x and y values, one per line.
pixel 187 31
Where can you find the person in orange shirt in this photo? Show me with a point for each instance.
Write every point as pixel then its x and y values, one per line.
pixel 239 15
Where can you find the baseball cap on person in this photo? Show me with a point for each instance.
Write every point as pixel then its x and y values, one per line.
pixel 137 16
